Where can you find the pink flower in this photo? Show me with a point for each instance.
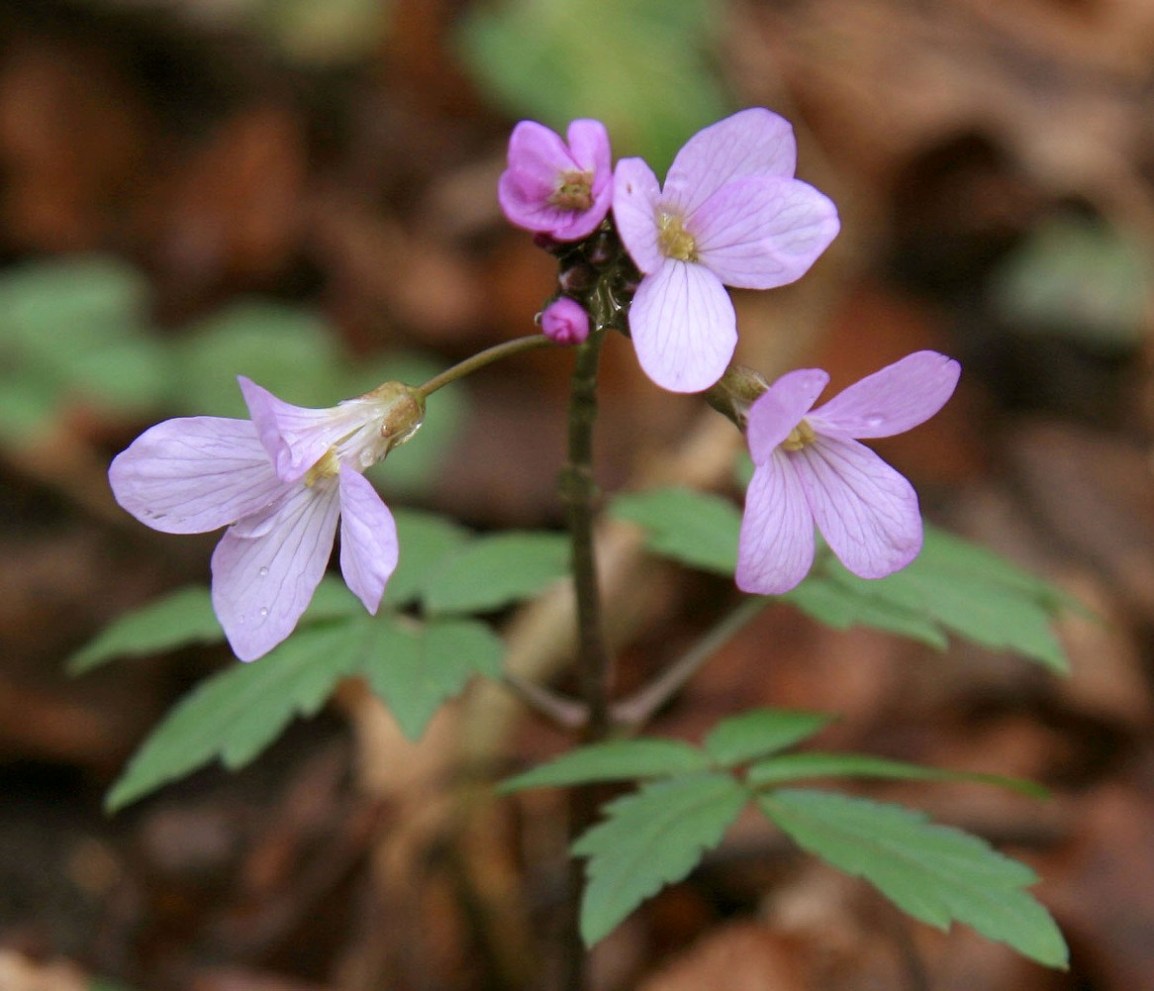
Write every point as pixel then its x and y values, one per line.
pixel 279 482
pixel 554 188
pixel 730 214
pixel 810 470
pixel 565 321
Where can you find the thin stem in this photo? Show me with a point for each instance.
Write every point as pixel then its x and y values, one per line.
pixel 497 352
pixel 564 712
pixel 639 708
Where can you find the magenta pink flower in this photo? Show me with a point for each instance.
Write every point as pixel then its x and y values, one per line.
pixel 279 482
pixel 565 321
pixel 563 190
pixel 810 470
pixel 730 214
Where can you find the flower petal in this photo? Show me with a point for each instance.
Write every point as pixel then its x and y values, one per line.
pixel 683 327
pixel 262 584
pixel 867 512
pixel 194 474
pixel 892 400
pixel 294 436
pixel 750 142
pixel 781 408
pixel 761 232
pixel 589 148
pixel 368 539
pixel 775 547
pixel 635 196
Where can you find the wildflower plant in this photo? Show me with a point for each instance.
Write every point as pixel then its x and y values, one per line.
pixel 650 262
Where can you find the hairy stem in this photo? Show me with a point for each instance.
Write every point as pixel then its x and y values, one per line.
pixel 497 352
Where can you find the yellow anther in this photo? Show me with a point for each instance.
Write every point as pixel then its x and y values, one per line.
pixel 674 240
pixel 328 466
pixel 800 436
pixel 574 191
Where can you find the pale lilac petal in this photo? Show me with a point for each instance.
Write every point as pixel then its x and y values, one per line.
pixel 867 512
pixel 194 474
pixel 683 327
pixel 295 437
pixel 635 198
pixel 573 225
pixel 776 544
pixel 892 400
pixel 780 408
pixel 262 584
pixel 368 539
pixel 750 142
pixel 761 232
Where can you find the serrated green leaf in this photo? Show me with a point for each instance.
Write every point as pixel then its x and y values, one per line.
pixel 426 540
pixel 649 839
pixel 697 528
pixel 935 873
pixel 237 713
pixel 796 767
pixel 623 73
pixel 842 605
pixel 414 667
pixel 759 732
pixel 176 620
pixel 614 760
pixel 494 571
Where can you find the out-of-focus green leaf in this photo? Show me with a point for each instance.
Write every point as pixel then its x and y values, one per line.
pixel 697 528
pixel 759 732
pixel 644 67
pixel 935 873
pixel 649 839
pixel 614 760
pixel 494 571
pixel 426 541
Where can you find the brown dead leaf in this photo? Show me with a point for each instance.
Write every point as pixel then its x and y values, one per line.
pixel 738 957
pixel 18 973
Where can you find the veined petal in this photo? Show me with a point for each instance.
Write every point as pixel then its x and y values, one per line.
pixel 781 408
pixel 635 197
pixel 294 436
pixel 683 327
pixel 761 232
pixel 892 400
pixel 775 547
pixel 867 512
pixel 194 474
pixel 368 539
pixel 262 584
pixel 750 142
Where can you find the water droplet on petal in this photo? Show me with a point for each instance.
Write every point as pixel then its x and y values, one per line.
pixel 263 612
pixel 263 572
pixel 875 421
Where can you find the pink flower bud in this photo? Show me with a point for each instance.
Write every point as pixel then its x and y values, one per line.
pixel 565 321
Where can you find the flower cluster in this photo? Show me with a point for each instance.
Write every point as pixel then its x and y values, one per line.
pixel 730 213
pixel 279 482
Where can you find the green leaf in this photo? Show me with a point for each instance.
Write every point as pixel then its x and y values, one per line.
pixel 615 760
pixel 651 838
pixel 697 528
pixel 758 732
pixel 935 873
pixel 621 73
pixel 176 620
pixel 237 713
pixel 795 767
pixel 493 571
pixel 415 667
pixel 426 540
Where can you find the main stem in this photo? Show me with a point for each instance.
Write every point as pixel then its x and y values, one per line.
pixel 593 662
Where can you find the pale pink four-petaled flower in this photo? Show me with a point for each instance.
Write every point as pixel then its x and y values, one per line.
pixel 557 188
pixel 730 214
pixel 810 470
pixel 279 482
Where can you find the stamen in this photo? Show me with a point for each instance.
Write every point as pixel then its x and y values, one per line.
pixel 327 466
pixel 674 240
pixel 574 191
pixel 800 436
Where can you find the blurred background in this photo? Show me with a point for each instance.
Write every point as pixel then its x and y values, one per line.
pixel 303 191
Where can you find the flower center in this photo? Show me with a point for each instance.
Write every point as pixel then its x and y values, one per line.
pixel 328 466
pixel 673 239
pixel 799 437
pixel 574 191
